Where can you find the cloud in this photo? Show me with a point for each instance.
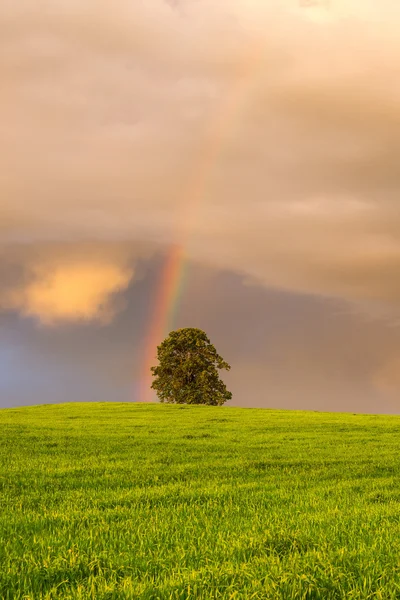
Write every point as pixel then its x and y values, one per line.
pixel 386 378
pixel 78 284
pixel 264 134
pixel 70 293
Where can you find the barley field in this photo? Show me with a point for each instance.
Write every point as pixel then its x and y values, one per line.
pixel 167 502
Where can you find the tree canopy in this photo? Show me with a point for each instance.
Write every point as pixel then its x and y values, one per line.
pixel 187 372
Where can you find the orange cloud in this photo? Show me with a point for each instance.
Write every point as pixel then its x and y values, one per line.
pixel 71 292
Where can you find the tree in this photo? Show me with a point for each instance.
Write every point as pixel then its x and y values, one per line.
pixel 187 371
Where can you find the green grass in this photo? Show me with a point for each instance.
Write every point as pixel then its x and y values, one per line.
pixel 157 501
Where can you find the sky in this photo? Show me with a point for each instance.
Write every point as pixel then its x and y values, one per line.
pixel 230 165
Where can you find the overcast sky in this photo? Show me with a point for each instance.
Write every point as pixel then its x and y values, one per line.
pixel 261 136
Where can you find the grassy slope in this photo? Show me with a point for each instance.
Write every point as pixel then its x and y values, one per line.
pixel 161 501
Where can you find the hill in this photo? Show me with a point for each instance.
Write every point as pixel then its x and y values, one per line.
pixel 157 501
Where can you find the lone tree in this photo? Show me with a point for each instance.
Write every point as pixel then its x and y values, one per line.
pixel 187 371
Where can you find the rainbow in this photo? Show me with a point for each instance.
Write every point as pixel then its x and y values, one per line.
pixel 172 278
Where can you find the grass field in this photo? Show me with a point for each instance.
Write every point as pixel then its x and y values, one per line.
pixel 157 501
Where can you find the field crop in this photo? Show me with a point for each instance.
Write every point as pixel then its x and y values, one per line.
pixel 151 501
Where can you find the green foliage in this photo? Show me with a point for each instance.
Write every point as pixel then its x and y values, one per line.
pixel 187 371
